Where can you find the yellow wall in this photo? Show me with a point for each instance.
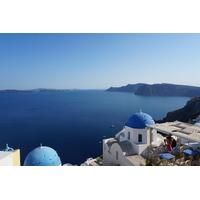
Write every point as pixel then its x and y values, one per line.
pixel 16 157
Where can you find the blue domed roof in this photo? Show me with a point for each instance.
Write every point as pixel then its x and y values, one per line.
pixel 139 120
pixel 42 156
pixel 8 148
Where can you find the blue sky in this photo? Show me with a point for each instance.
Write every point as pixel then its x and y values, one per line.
pixel 97 60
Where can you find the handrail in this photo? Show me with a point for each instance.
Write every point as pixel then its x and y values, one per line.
pixel 117 134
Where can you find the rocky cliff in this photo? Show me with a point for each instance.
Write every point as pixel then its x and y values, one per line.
pixel 189 112
pixel 163 89
pixel 128 88
pixel 168 90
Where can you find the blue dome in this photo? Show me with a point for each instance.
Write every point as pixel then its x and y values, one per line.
pixel 8 148
pixel 42 156
pixel 139 121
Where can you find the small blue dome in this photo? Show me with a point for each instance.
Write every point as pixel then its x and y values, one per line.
pixel 42 156
pixel 139 121
pixel 8 148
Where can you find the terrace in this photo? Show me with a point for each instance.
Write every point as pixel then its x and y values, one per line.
pixel 186 152
pixel 187 156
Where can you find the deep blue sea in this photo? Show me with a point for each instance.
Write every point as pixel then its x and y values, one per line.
pixel 73 122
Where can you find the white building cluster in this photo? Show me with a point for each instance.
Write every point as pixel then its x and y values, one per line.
pixel 127 145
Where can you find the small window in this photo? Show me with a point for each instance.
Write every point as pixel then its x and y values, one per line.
pixel 117 155
pixel 140 138
pixel 129 135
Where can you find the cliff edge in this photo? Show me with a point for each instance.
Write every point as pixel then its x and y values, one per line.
pixel 165 89
pixel 128 88
pixel 189 112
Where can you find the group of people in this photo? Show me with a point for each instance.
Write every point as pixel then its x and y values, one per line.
pixel 169 143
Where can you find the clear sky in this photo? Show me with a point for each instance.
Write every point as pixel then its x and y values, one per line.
pixel 97 60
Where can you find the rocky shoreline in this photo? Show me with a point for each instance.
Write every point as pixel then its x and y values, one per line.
pixel 186 114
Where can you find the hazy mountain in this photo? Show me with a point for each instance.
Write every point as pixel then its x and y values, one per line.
pixel 163 89
pixel 128 88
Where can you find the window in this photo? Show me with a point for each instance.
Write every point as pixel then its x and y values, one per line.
pixel 117 155
pixel 140 138
pixel 128 135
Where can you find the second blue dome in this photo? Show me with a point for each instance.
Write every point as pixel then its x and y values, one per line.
pixel 42 156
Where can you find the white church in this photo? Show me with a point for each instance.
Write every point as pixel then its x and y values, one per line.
pixel 126 148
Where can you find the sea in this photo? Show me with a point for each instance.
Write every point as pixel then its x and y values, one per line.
pixel 73 123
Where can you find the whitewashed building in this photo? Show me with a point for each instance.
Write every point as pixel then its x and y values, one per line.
pixel 126 147
pixel 9 157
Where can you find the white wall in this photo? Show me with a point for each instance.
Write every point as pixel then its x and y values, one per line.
pixel 7 160
pixel 109 156
pixel 154 132
pixel 134 134
pixel 138 146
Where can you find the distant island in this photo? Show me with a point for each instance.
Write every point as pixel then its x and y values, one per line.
pixel 36 90
pixel 163 89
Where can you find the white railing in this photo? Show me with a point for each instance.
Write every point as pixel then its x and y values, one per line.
pixel 117 135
